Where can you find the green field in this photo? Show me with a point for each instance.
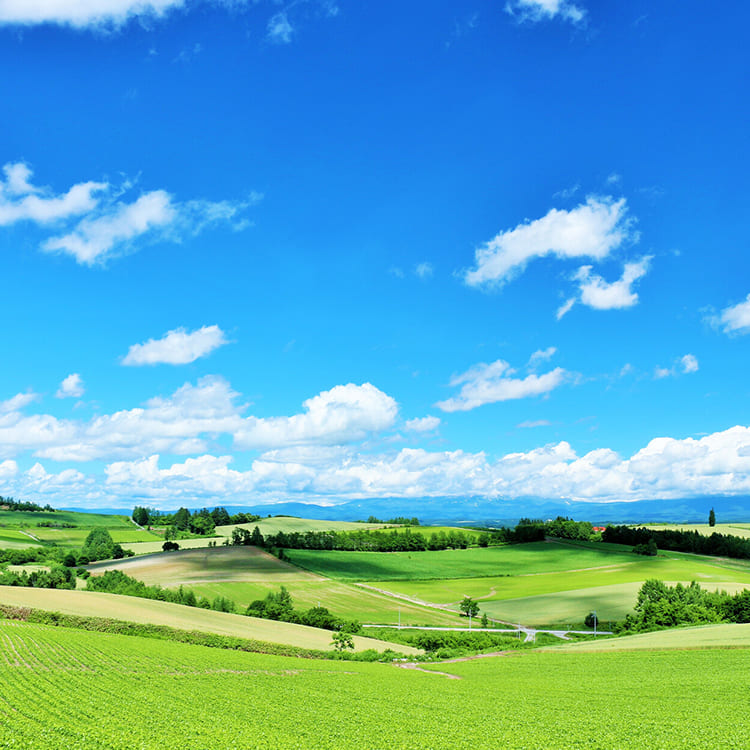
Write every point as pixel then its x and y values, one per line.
pixel 244 574
pixel 15 539
pixel 726 635
pixel 76 537
pixel 133 609
pixel 84 520
pixel 88 691
pixel 509 560
pixel 289 524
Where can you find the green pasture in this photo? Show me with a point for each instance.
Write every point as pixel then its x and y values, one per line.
pixel 76 537
pixel 84 520
pixel 345 600
pixel 14 539
pixel 55 680
pixel 133 609
pixel 148 548
pixel 508 560
pixel 725 635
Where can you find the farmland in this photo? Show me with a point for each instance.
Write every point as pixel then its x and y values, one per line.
pixel 733 529
pixel 56 680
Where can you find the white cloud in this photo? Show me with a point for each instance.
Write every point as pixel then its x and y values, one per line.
pixel 19 401
pixel 593 229
pixel 345 413
pixel 599 294
pixel 689 363
pixel 684 365
pixel 279 29
pixel 534 423
pixel 95 224
pixel 544 10
pixel 91 13
pixel 424 270
pixel 489 383
pixel 177 347
pixel 542 355
pixel 71 387
pixel 422 424
pixel 736 318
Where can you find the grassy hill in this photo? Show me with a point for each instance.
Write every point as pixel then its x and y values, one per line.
pixel 74 689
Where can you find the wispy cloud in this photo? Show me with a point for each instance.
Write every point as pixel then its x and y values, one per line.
pixel 424 270
pixel 489 383
pixel 98 223
pixel 545 10
pixel 683 366
pixel 279 28
pixel 593 229
pixel 177 347
pixel 734 319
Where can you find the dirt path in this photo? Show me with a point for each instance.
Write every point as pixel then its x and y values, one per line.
pixel 414 666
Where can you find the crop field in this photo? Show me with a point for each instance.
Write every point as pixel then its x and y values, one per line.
pixel 76 537
pixel 15 539
pixel 85 691
pixel 564 597
pixel 725 635
pixel 133 609
pixel 509 560
pixel 289 524
pixel 733 529
pixel 148 548
pixel 244 574
pixel 185 567
pixel 84 520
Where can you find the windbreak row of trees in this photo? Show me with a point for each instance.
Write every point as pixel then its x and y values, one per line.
pixel 358 541
pixel 57 577
pixel 716 545
pixel 661 606
pixel 8 503
pixel 201 522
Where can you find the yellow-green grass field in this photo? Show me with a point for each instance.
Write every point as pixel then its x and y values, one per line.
pixel 565 596
pixel 537 557
pixel 133 609
pixel 244 574
pixel 289 524
pixel 15 539
pixel 733 529
pixel 79 518
pixel 71 689
pixel 148 548
pixel 76 537
pixel 725 635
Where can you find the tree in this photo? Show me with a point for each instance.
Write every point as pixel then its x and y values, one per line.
pixel 591 620
pixel 712 518
pixel 140 515
pixel 342 640
pixel 256 538
pixel 182 519
pixel 485 620
pixel 170 546
pixel 469 607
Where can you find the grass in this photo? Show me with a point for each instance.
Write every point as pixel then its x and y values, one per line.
pixel 132 609
pixel 726 635
pixel 89 691
pixel 538 557
pixel 289 524
pixel 733 529
pixel 84 520
pixel 148 548
pixel 76 537
pixel 244 574
pixel 14 539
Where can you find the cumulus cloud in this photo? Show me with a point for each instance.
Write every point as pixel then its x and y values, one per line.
pixel 689 363
pixel 599 294
pixel 593 229
pixel 545 10
pixel 542 355
pixel 343 414
pixel 489 383
pixel 71 387
pixel 735 318
pixel 92 13
pixel 91 222
pixel 177 347
pixel 422 424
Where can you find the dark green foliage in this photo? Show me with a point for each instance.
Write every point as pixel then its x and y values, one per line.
pixel 591 620
pixel 181 519
pixel 57 577
pixel 8 503
pixel 469 607
pixel 650 549
pixel 712 518
pixel 170 546
pixel 342 640
pixel 141 515
pixel 220 517
pixel 717 545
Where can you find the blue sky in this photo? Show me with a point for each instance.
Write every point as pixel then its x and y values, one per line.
pixel 316 251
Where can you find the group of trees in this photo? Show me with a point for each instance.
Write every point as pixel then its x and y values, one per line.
pixel 662 606
pixel 396 540
pixel 280 606
pixel 57 577
pixel 99 545
pixel 398 520
pixel 201 522
pixel 8 503
pixel 717 545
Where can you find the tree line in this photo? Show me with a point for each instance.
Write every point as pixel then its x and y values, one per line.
pixel 715 545
pixel 8 503
pixel 202 522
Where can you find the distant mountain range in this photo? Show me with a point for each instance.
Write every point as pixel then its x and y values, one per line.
pixel 476 511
